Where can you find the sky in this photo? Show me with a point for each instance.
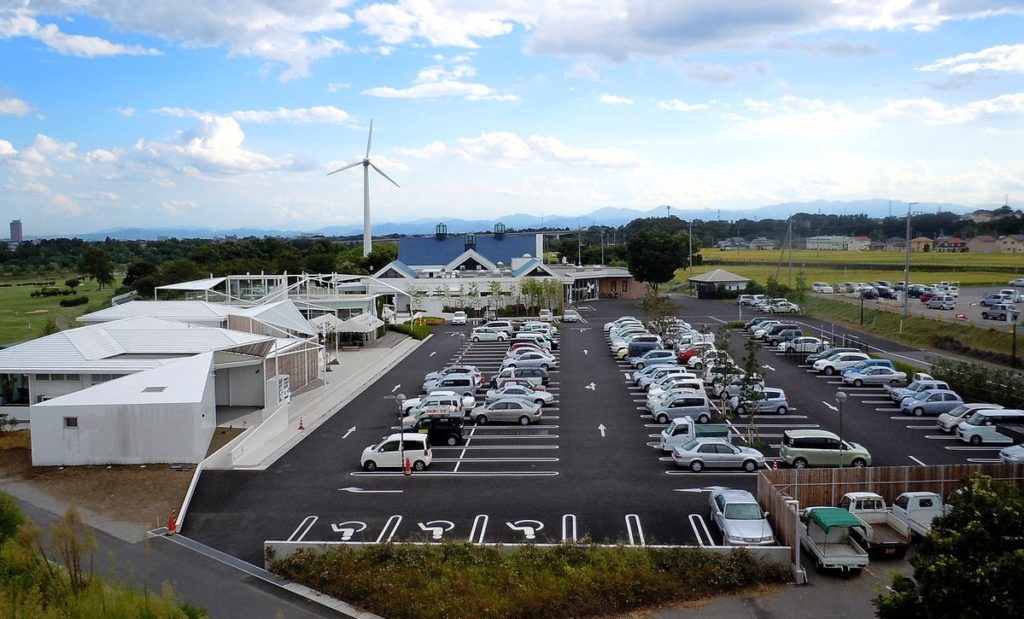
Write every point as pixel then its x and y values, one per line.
pixel 229 113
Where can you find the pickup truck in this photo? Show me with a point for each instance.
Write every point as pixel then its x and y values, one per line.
pixel 918 509
pixel 683 429
pixel 827 534
pixel 883 534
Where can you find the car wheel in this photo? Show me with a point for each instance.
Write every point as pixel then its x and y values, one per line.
pixel 975 440
pixel 639 366
pixel 750 466
pixel 481 420
pixel 539 402
pixel 524 420
pixel 775 342
pixel 722 395
pixel 696 466
pixel 501 338
pixel 698 366
pixel 663 418
pixel 918 411
pixel 741 410
pixel 893 383
pixel 419 465
pixel 858 463
pixel 370 465
pixel 452 440
pixel 799 463
pixel 704 418
pixel 476 338
pixel 829 370
pixel 544 366
pixel 782 410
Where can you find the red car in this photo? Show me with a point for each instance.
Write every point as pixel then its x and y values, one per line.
pixel 685 355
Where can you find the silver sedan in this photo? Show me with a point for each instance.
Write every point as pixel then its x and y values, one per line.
pixel 520 392
pixel 509 410
pixel 701 453
pixel 530 360
pixel 878 375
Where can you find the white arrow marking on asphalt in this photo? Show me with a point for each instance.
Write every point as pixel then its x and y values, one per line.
pixel 432 354
pixel 829 405
pixel 350 431
pixel 591 386
pixel 354 490
pixel 602 429
pixel 584 351
pixel 396 387
pixel 768 367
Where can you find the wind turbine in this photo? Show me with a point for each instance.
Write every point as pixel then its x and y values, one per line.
pixel 367 164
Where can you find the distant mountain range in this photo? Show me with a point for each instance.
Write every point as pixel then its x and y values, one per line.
pixel 608 216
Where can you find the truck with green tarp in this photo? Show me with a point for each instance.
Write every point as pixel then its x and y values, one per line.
pixel 827 534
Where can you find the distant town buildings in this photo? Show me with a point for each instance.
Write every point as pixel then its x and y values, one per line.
pixel 983 244
pixel 16 234
pixel 950 244
pixel 832 243
pixel 1011 244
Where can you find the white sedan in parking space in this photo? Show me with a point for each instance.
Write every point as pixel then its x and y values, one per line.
pixel 570 315
pixel 530 360
pixel 804 344
pixel 459 318
pixel 738 516
pixel 876 375
pixel 522 392
pixel 838 363
pixel 783 307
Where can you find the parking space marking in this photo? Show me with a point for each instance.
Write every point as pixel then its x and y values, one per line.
pixel 528 528
pixel 476 534
pixel 303 528
pixel 876 401
pixel 887 409
pixel 474 460
pixel 437 528
pixel 972 448
pixel 459 474
pixel 834 409
pixel 634 530
pixel 983 460
pixel 569 528
pixel 501 437
pixel 390 528
pixel 931 427
pixel 474 447
pixel 941 437
pixel 712 473
pixel 696 519
pixel 916 460
pixel 354 526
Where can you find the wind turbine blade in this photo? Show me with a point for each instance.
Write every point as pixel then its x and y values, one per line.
pixel 379 171
pixel 342 169
pixel 369 139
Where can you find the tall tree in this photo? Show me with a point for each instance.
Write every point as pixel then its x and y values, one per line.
pixel 653 257
pixel 95 264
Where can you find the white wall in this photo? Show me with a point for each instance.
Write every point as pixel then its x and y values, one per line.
pixel 240 386
pixel 55 388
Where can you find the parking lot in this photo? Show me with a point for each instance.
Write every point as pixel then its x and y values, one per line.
pixel 968 310
pixel 589 469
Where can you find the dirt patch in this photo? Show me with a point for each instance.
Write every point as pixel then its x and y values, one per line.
pixel 142 494
pixel 38 311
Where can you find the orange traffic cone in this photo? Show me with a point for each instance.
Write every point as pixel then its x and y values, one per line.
pixel 408 467
pixel 301 427
pixel 172 524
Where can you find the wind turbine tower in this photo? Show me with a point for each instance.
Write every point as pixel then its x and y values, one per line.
pixel 367 164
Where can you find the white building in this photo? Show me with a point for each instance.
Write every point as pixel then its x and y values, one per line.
pixel 832 243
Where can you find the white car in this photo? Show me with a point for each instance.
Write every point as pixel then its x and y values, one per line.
pixel 822 287
pixel 459 318
pixel 783 307
pixel 618 321
pixel 441 397
pixel 803 344
pixel 740 519
pixel 1017 283
pixel 521 392
pixel 546 315
pixel 487 334
pixel 837 363
pixel 570 315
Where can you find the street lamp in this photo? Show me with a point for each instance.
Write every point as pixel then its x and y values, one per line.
pixel 400 398
pixel 840 398
pixel 462 346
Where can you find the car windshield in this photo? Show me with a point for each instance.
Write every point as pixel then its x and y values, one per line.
pixel 977 419
pixel 743 511
pixel 914 385
pixel 690 445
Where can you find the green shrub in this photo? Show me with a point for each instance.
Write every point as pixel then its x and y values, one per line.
pixel 981 383
pixel 11 517
pixel 571 580
pixel 74 302
pixel 420 330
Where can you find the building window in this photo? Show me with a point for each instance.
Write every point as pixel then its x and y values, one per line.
pixel 71 422
pixel 625 285
pixel 615 285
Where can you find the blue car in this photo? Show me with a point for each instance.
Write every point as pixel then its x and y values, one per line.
pixel 870 363
pixel 659 356
pixel 933 402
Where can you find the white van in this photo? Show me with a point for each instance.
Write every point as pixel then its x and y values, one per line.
pixel 980 427
pixel 389 453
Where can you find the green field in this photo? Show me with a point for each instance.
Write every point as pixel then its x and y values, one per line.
pixel 1010 263
pixel 22 316
pixel 842 273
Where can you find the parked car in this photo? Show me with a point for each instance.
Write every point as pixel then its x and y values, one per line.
pixel 507 410
pixel 682 430
pixel 826 533
pixel 570 315
pixel 828 352
pixel 999 311
pixel 838 362
pixel 934 402
pixel 441 427
pixel 531 360
pixel 723 389
pixel 1017 283
pixel 1014 454
pixel 439 398
pixel 921 382
pixel 618 321
pixel 739 518
pixel 487 334
pixel 701 453
pixel 947 422
pixel 465 384
pixel 653 357
pixel 869 363
pixel 803 448
pixel 459 318
pixel 885 535
pixel 684 355
pixel 533 376
pixel 773 400
pixel 454 369
pixel 769 334
pixel 941 302
pixel 918 509
pixel 784 335
pixel 875 375
pixel 802 344
pixel 822 287
pixel 511 390
pixel 500 325
pixel 993 298
pixel 646 379
pixel 745 299
pixel 783 307
pixel 389 452
pixel 546 315
pixel 694 405
pixel 982 427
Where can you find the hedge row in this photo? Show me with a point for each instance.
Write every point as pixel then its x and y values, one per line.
pixel 981 383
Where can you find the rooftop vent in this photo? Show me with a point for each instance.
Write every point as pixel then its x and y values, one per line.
pixel 154 389
pixel 441 232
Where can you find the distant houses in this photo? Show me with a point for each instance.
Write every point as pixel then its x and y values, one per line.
pixel 858 243
pixel 1011 244
pixel 895 243
pixel 764 243
pixel 950 245
pixel 921 243
pixel 832 243
pixel 981 244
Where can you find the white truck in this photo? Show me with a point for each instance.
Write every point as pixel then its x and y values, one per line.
pixel 827 534
pixel 883 534
pixel 918 509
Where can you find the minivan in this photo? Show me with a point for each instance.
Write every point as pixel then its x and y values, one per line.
pixel 980 427
pixel 693 404
pixel 941 302
pixel 533 376
pixel 637 349
pixel 441 428
pixel 803 448
pixel 459 383
pixel 774 330
pixel 389 452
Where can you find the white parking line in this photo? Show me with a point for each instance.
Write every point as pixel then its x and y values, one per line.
pixel 711 473
pixel 303 528
pixel 515 436
pixel 460 460
pixel 461 474
pixel 443 448
pixel 916 460
pixel 972 448
pixel 476 534
pixel 569 528
pixel 887 409
pixel 941 437
pixel 633 522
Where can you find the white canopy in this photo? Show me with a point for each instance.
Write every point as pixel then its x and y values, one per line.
pixel 332 322
pixel 361 323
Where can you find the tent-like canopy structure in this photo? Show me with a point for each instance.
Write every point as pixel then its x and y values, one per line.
pixel 361 323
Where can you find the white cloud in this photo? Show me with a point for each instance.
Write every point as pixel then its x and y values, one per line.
pixel 441 81
pixel 21 23
pixel 299 115
pixel 101 155
pixel 336 86
pixel 14 107
pixel 35 160
pixel 678 105
pixel 385 50
pixel 615 100
pixel 126 111
pixel 936 113
pixel 792 115
pixel 998 58
pixel 508 147
pixel 53 202
pixel 829 48
pixel 441 23
pixel 177 207
pixel 7 149
pixel 583 71
pixel 430 151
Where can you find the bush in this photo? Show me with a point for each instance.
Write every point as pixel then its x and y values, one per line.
pixel 981 383
pixel 74 282
pixel 572 580
pixel 74 302
pixel 11 517
pixel 419 331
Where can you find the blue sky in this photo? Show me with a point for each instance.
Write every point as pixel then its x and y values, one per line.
pixel 225 113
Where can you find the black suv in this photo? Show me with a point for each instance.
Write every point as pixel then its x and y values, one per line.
pixel 442 429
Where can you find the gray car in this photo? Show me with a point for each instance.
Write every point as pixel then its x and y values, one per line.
pixel 701 453
pixel 508 410
pixel 773 400
pixel 740 519
pixel 521 392
pixel 530 360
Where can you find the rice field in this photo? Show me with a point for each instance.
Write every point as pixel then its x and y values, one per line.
pixel 843 273
pixel 1012 263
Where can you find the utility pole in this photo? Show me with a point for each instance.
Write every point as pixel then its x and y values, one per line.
pixel 906 266
pixel 579 246
pixel 689 242
pixel 790 252
pixel 668 211
pixel 602 247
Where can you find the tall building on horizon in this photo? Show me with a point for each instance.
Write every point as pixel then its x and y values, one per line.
pixel 16 230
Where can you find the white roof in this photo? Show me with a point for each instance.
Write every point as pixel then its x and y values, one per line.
pixel 718 276
pixel 127 345
pixel 196 284
pixel 361 323
pixel 183 311
pixel 282 314
pixel 332 321
pixel 183 381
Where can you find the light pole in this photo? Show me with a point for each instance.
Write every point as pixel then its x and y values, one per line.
pixel 861 307
pixel 400 398
pixel 689 250
pixel 462 346
pixel 906 265
pixel 840 398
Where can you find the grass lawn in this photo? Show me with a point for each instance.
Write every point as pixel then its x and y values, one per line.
pixel 1014 263
pixel 22 316
pixel 842 273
